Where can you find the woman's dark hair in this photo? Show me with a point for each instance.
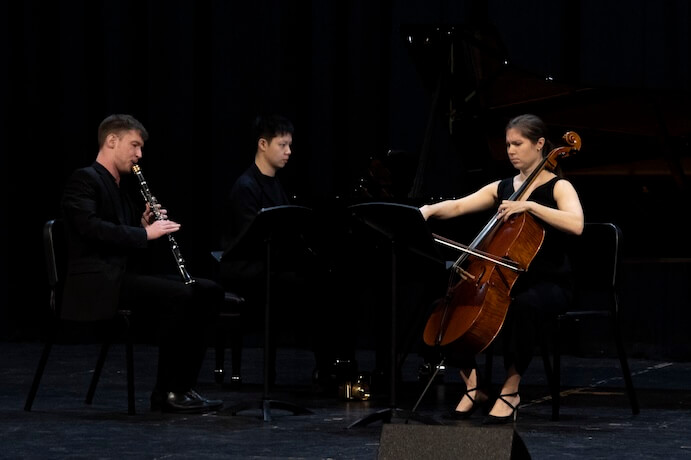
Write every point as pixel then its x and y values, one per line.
pixel 531 127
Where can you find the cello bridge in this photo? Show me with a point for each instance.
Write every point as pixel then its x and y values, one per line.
pixel 465 275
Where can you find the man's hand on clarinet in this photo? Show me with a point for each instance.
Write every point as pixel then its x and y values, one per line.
pixel 159 228
pixel 149 216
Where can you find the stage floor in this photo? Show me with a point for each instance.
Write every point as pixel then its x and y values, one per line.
pixel 596 419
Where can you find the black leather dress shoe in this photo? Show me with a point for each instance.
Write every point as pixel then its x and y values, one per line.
pixel 189 402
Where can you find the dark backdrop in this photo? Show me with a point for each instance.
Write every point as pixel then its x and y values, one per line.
pixel 197 72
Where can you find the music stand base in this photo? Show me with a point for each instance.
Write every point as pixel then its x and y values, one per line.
pixel 385 415
pixel 265 405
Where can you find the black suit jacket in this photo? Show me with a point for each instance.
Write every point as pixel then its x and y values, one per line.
pixel 102 228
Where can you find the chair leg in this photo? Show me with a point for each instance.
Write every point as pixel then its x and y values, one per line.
pixel 236 350
pixel 97 372
pixel 129 356
pixel 549 372
pixel 625 367
pixel 552 373
pixel 220 349
pixel 129 363
pixel 233 327
pixel 555 384
pixel 37 376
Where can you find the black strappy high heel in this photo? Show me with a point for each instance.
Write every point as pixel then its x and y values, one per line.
pixel 497 420
pixel 462 415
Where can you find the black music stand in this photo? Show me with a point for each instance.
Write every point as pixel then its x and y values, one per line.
pixel 404 227
pixel 271 225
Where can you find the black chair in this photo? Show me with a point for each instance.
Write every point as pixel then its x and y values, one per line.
pixel 595 257
pixel 54 245
pixel 229 325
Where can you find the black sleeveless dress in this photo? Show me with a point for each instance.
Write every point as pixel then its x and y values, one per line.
pixel 551 264
pixel 540 293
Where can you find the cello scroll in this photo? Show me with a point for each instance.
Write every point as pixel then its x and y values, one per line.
pixel 574 143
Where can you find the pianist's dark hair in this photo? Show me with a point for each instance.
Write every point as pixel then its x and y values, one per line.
pixel 270 126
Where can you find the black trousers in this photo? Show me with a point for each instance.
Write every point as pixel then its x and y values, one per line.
pixel 183 315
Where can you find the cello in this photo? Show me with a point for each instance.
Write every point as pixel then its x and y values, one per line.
pixel 469 317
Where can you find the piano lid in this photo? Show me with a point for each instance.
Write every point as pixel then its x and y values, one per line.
pixel 625 131
pixel 635 163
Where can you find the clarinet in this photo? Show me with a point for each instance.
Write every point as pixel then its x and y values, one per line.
pixel 153 205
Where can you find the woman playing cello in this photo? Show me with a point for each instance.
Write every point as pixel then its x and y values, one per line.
pixel 545 288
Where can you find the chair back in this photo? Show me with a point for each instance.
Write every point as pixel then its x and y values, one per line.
pixel 595 261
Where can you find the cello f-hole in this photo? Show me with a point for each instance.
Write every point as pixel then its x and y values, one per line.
pixel 481 275
pixel 503 278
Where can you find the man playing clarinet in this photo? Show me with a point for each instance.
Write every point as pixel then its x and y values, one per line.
pixel 107 234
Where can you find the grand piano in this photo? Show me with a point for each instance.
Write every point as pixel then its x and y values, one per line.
pixel 634 166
